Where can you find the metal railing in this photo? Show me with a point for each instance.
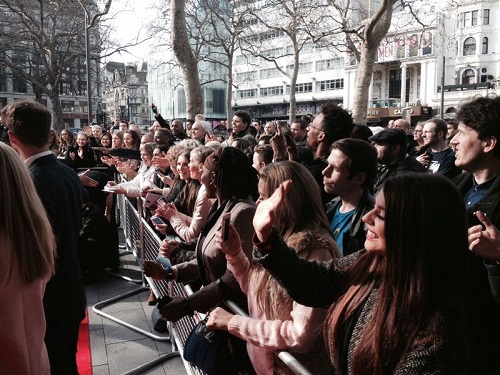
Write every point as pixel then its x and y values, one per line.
pixel 143 241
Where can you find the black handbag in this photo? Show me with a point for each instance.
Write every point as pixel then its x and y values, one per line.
pixel 215 351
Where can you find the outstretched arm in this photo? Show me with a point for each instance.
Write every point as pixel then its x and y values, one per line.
pixel 310 283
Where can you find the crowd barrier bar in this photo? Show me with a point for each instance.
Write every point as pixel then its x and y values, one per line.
pixel 144 243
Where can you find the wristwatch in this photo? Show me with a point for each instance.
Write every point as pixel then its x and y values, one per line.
pixel 170 273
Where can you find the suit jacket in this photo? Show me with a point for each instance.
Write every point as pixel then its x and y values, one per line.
pixel 215 263
pixel 60 190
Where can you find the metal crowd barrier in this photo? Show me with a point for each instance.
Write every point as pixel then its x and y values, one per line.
pixel 144 243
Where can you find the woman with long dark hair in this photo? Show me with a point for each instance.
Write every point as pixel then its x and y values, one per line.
pixel 229 177
pixel 400 306
pixel 190 167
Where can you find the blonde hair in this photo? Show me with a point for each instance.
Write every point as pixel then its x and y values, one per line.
pixel 24 226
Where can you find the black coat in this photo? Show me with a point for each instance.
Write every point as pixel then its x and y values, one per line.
pixel 87 161
pixel 60 190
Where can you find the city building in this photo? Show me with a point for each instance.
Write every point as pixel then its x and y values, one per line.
pixel 125 93
pixel 457 48
pixel 28 67
pixel 166 90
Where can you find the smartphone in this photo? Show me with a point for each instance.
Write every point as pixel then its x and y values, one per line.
pixel 156 220
pixel 162 199
pixel 225 226
pixel 151 199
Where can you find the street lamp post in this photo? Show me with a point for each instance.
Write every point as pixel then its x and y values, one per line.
pixel 128 108
pixel 442 87
pixel 87 60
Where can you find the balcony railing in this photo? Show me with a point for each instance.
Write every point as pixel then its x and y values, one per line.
pixel 474 86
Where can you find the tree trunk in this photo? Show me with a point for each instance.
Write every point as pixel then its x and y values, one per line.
pixel 186 59
pixel 375 30
pixel 229 96
pixel 361 84
pixel 57 115
pixel 293 82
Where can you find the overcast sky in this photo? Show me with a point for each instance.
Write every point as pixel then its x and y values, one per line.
pixel 129 24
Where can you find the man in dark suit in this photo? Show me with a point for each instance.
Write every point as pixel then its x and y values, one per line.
pixel 60 190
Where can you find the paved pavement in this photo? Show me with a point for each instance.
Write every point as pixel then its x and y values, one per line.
pixel 117 349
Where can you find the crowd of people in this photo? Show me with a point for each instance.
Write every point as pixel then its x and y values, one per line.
pixel 359 250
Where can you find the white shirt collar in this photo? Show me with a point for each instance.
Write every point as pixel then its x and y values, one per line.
pixel 32 158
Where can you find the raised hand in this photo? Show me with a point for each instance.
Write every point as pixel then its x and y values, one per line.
pixel 291 148
pixel 278 143
pixel 485 242
pixel 167 247
pixel 154 270
pixel 265 215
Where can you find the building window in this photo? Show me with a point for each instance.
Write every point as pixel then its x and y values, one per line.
pixel 332 84
pixel 395 83
pixel 246 76
pixel 219 98
pixel 300 88
pixel 271 91
pixel 328 64
pixel 269 73
pixel 485 77
pixel 468 77
pixel 67 106
pixel 485 46
pixel 303 68
pixel 466 19
pixel 474 18
pixel 244 94
pixel 19 84
pixel 469 46
pixel 486 16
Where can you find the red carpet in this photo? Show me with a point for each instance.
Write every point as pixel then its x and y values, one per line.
pixel 83 358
